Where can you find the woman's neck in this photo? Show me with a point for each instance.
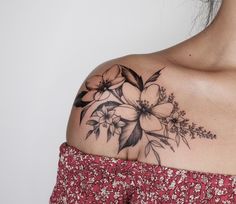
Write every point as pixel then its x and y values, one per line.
pixel 215 47
pixel 222 33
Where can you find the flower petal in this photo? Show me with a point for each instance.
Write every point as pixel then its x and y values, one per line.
pixel 99 96
pixel 117 82
pixel 116 119
pixel 151 94
pixel 104 110
pixel 100 113
pixel 149 122
pixel 118 131
pixel 126 112
pixel 89 96
pixel 93 82
pixel 123 99
pixel 170 125
pixel 131 94
pixel 111 113
pixel 102 120
pixel 109 120
pixel 177 125
pixel 162 110
pixel 111 73
pixel 121 124
pixel 168 119
pixel 180 119
pixel 112 129
pixel 175 115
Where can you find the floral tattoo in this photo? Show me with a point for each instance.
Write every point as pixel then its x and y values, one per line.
pixel 138 109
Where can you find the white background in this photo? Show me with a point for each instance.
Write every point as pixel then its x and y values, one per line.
pixel 47 48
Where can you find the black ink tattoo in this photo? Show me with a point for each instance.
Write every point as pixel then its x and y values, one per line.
pixel 138 109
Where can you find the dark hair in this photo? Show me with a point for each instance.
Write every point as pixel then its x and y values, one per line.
pixel 212 8
pixel 207 12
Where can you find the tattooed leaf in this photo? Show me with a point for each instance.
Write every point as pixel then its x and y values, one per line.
pixel 109 134
pixel 78 102
pixel 130 135
pixel 165 141
pixel 132 77
pixel 92 122
pixel 83 112
pixel 89 133
pixel 185 141
pixel 147 149
pixel 168 144
pixel 172 148
pixel 109 105
pixel 119 91
pixel 177 139
pixel 157 157
pixel 155 76
pixel 157 144
pixel 157 135
pixel 97 132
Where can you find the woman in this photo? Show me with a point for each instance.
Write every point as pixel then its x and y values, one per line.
pixel 157 127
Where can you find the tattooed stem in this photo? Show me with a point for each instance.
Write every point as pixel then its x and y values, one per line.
pixel 150 145
pixel 117 97
pixel 89 105
pixel 185 140
pixel 166 130
pixel 146 136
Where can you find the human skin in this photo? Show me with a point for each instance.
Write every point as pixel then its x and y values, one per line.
pixel 201 74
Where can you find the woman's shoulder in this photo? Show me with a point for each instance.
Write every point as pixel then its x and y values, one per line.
pixel 111 90
pixel 111 84
pixel 92 127
pixel 143 107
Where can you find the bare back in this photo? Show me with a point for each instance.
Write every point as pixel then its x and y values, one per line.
pixel 145 108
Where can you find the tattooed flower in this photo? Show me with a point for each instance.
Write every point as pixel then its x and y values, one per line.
pixel 174 121
pixel 100 86
pixel 143 106
pixel 117 124
pixel 105 116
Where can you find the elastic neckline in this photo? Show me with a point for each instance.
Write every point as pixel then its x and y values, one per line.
pixel 138 163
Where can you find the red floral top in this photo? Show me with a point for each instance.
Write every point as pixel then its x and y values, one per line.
pixel 87 178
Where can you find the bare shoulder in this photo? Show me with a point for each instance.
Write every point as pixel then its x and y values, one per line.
pixel 96 124
pixel 123 109
pixel 142 107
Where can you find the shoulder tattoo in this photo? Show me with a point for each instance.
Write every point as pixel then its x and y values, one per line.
pixel 137 109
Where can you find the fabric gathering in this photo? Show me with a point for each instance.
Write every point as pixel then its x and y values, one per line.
pixel 87 178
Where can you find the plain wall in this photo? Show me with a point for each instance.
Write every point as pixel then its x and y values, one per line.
pixel 47 48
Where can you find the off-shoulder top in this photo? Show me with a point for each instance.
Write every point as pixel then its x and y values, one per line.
pixel 88 178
